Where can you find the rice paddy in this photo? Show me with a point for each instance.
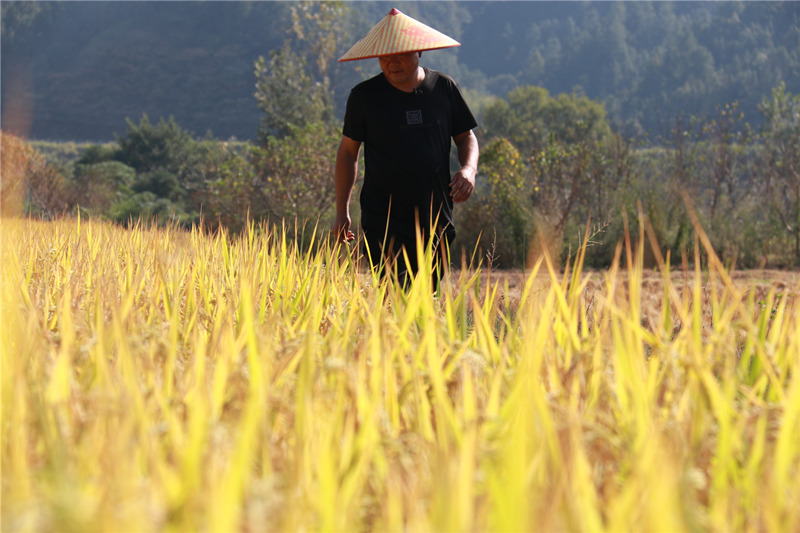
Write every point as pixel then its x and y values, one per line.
pixel 155 379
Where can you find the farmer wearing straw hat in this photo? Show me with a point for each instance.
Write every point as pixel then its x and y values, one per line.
pixel 405 117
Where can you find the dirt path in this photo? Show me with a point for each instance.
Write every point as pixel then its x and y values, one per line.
pixel 758 283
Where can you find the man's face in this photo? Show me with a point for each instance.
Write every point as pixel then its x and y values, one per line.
pixel 400 69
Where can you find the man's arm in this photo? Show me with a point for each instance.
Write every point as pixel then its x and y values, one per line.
pixel 346 168
pixel 463 182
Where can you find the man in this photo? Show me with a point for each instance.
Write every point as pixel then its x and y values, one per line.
pixel 405 117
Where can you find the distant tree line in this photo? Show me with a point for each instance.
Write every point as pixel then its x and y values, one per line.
pixel 645 61
pixel 549 166
pixel 81 68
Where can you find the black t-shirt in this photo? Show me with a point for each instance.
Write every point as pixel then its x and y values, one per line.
pixel 407 139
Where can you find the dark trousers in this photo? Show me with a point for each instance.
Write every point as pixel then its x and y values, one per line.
pixel 385 252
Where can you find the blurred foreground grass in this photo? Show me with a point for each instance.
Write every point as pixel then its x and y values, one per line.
pixel 161 380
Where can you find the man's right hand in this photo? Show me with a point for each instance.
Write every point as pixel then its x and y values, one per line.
pixel 345 177
pixel 341 229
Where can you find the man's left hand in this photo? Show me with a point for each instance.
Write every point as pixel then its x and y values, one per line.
pixel 462 184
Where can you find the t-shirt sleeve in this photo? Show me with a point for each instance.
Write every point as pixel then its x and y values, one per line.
pixel 463 120
pixel 354 118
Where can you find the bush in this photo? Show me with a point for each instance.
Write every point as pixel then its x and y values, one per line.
pixel 148 207
pixel 99 186
pixel 498 219
pixel 294 175
pixel 146 148
pixel 31 184
pixel 15 157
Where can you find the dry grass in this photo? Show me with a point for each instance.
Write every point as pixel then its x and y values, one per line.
pixel 160 380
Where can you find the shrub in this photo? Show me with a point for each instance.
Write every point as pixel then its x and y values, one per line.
pixel 294 175
pixel 99 186
pixel 498 217
pixel 30 183
pixel 15 157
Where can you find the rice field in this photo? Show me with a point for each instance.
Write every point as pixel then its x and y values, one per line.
pixel 163 380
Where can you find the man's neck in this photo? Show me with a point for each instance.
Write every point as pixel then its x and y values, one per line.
pixel 413 83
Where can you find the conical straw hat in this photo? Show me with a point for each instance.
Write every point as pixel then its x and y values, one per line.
pixel 397 33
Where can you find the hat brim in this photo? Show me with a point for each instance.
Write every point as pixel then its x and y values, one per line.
pixel 398 33
pixel 344 60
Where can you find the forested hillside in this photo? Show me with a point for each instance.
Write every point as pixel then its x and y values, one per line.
pixel 646 61
pixel 76 70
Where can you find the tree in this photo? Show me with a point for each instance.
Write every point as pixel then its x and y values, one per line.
pixel 146 148
pixel 499 212
pixel 781 161
pixel 319 28
pixel 48 194
pixel 294 175
pixel 561 174
pixel 99 186
pixel 223 185
pixel 289 92
pixel 20 21
pixel 15 157
pixel 164 158
pixel 146 206
pixel 97 153
pixel 731 190
pixel 286 94
pixel 529 117
pixel 29 183
pixel 560 140
pixel 161 182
